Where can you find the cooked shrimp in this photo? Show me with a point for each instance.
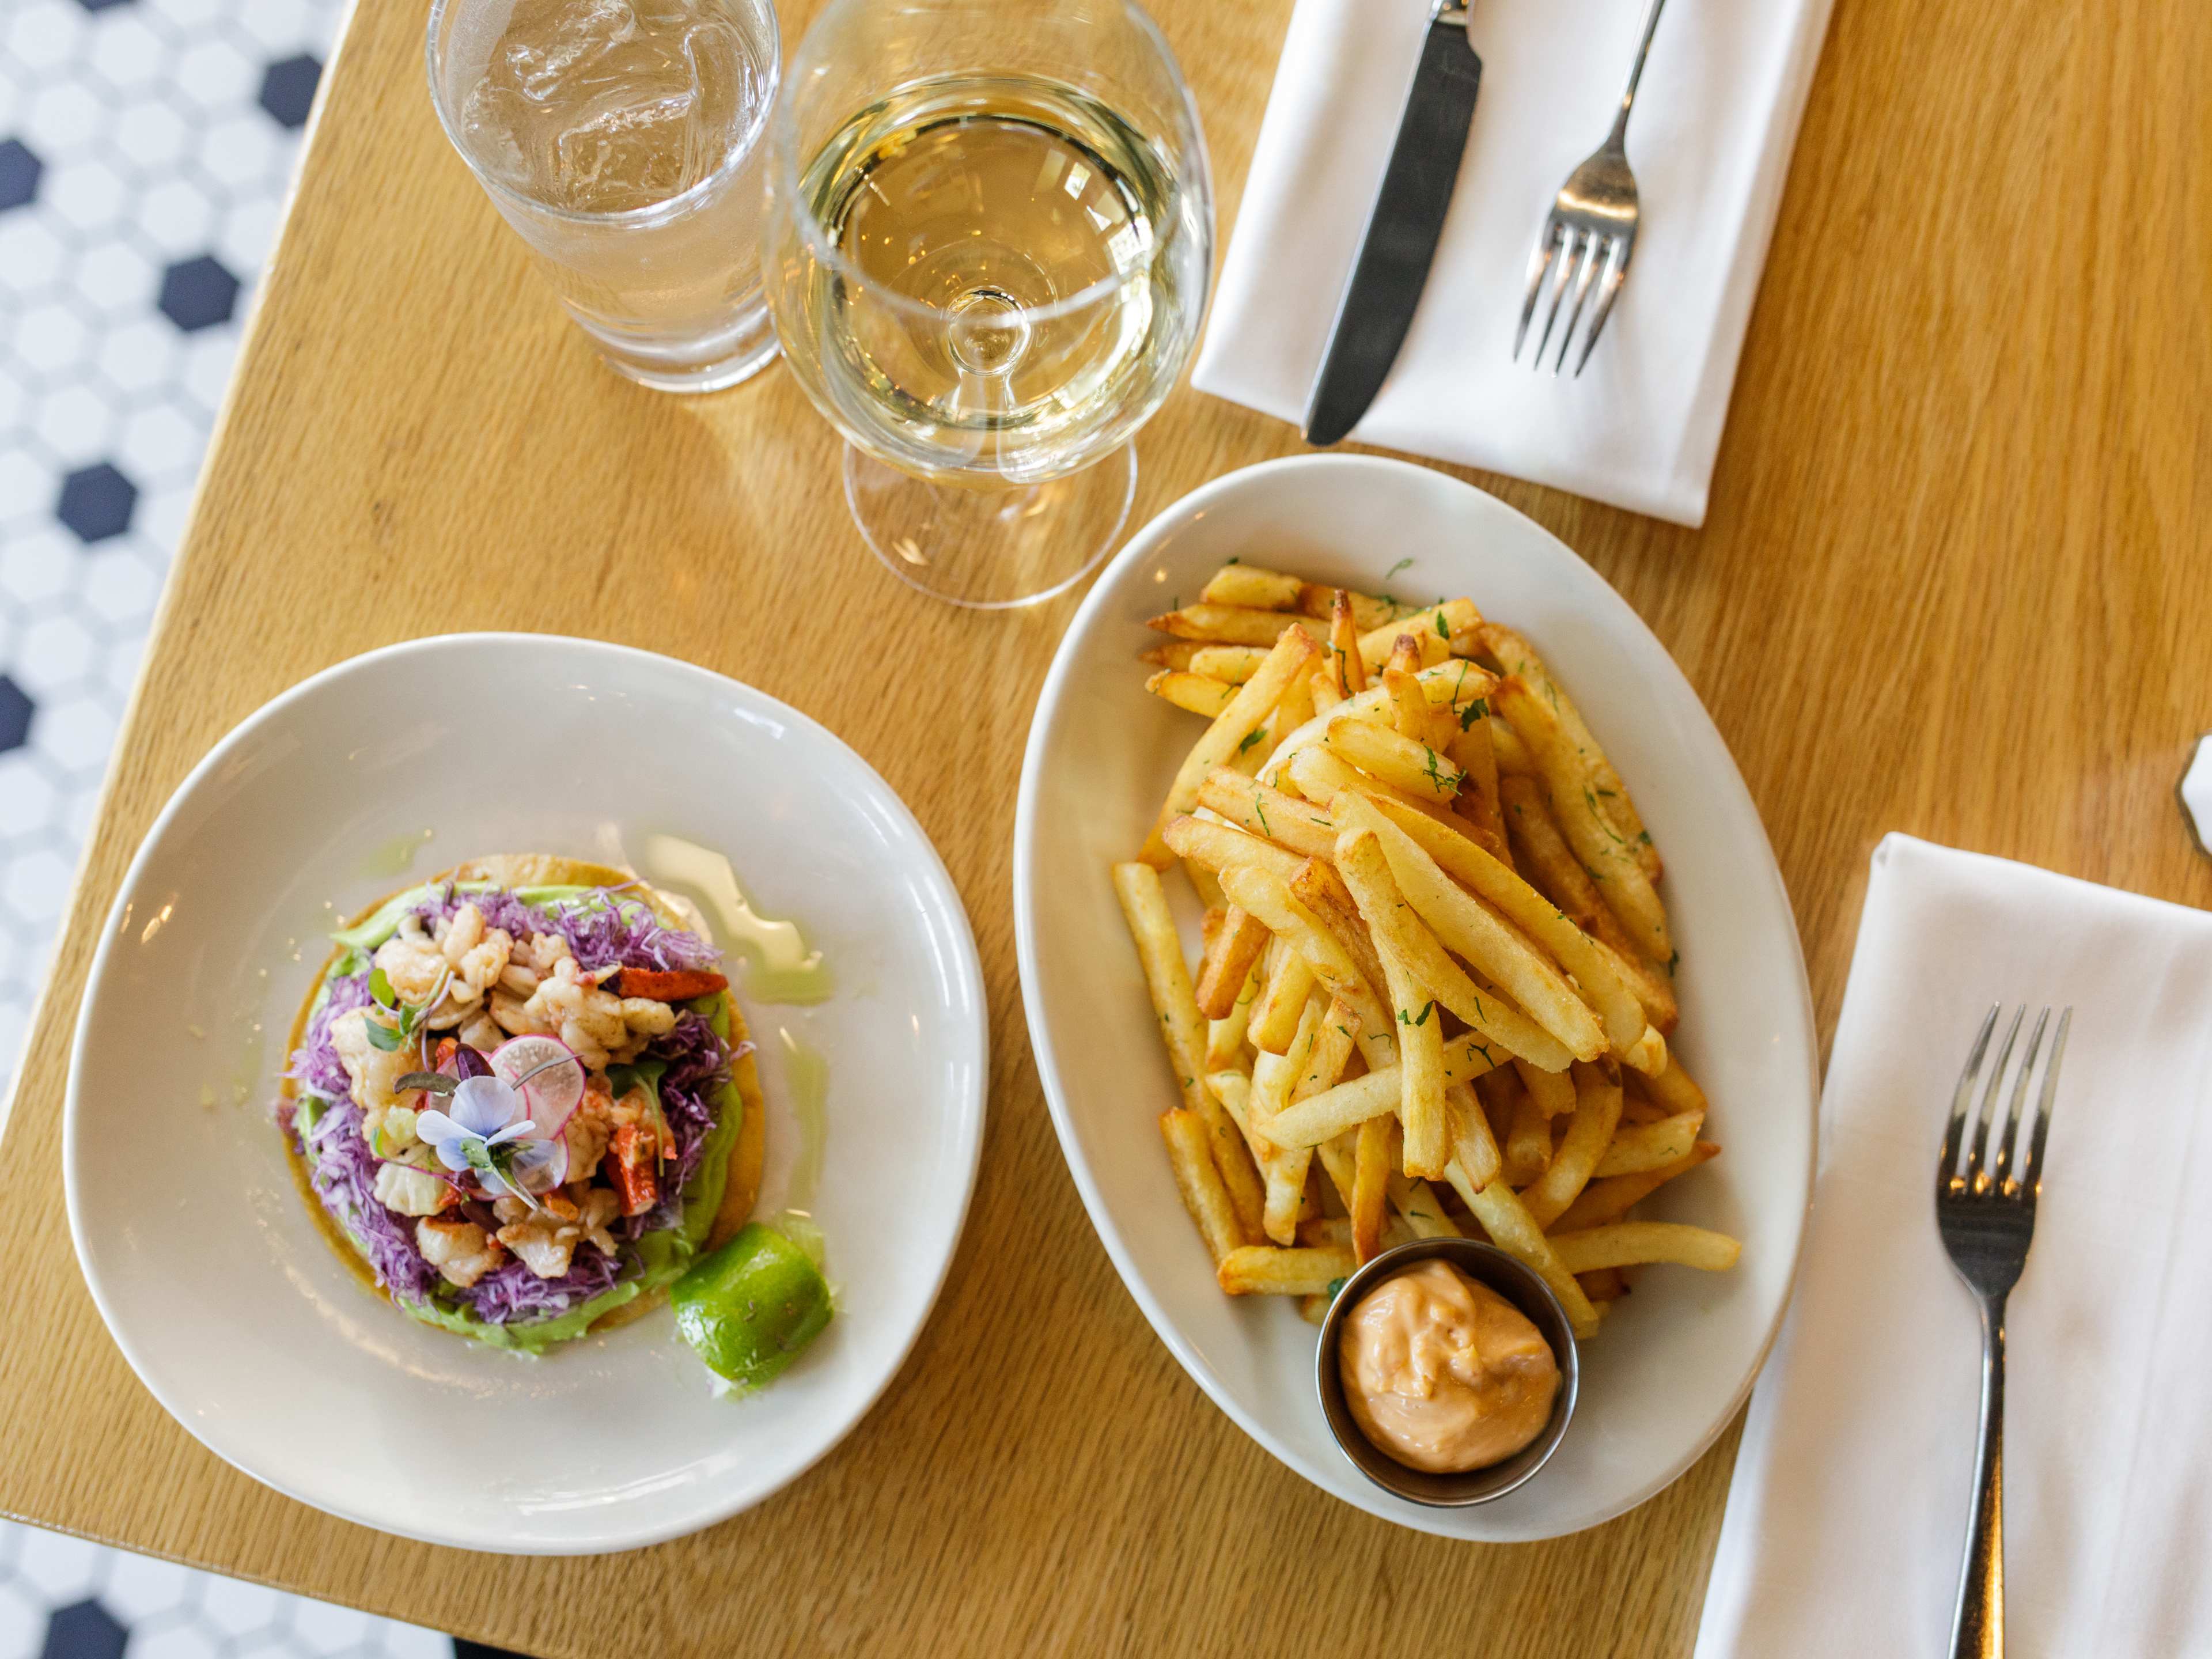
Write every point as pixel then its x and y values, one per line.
pixel 408 1191
pixel 460 1251
pixel 545 1239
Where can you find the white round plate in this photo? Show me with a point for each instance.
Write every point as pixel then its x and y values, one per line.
pixel 1675 1359
pixel 210 1273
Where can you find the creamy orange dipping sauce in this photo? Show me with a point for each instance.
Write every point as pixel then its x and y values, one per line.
pixel 1443 1374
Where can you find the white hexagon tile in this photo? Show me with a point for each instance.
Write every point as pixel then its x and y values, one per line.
pixel 145 146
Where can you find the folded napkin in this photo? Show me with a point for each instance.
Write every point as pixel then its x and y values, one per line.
pixel 1847 1519
pixel 1715 120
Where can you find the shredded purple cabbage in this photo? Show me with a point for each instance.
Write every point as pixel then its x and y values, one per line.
pixel 342 1170
pixel 511 1293
pixel 610 932
pixel 316 1065
pixel 698 1065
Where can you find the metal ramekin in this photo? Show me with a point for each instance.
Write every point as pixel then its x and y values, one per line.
pixel 1519 1283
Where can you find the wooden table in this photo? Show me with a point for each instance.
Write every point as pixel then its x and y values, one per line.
pixel 1954 582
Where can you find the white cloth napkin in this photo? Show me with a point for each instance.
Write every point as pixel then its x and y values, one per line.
pixel 1710 140
pixel 1846 1522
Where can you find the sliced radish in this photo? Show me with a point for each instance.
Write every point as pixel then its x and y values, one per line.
pixel 549 1075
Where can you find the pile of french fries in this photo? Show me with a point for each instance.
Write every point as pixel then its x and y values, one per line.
pixel 1437 981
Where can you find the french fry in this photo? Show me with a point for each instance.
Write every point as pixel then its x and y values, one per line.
pixel 1299 825
pixel 1230 962
pixel 1369 610
pixel 1231 624
pixel 1507 1221
pixel 1599 975
pixel 1403 763
pixel 1199 1183
pixel 1217 846
pixel 1552 1092
pixel 1649 1145
pixel 1400 932
pixel 1255 701
pixel 1527 1152
pixel 1673 1089
pixel 1178 654
pixel 1603 851
pixel 1608 1199
pixel 1542 852
pixel 1605 1284
pixel 1233 1162
pixel 1282 992
pixel 1234 664
pixel 1322 890
pixel 1513 755
pixel 1463 925
pixel 1597 1115
pixel 1233 1090
pixel 1323 1116
pixel 1324 1231
pixel 1473 1147
pixel 1249 586
pixel 1416 1205
pixel 1314 1309
pixel 1326 696
pixel 1471 751
pixel 1517 657
pixel 1451 623
pixel 1225 1037
pixel 1335 1042
pixel 1345 660
pixel 1456 683
pixel 1626 1243
pixel 1338 1157
pixel 1649 984
pixel 1167 978
pixel 1286 1169
pixel 1409 704
pixel 1263 1270
pixel 1421 1070
pixel 1639 1108
pixel 1193 692
pixel 1322 776
pixel 1371 1192
pixel 1267 895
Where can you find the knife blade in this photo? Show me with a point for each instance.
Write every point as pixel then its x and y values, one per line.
pixel 1401 237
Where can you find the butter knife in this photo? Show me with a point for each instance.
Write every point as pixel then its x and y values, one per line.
pixel 1401 238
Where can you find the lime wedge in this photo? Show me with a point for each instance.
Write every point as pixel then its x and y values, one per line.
pixel 748 1308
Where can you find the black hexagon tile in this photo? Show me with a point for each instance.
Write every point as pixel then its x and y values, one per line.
pixel 83 1630
pixel 198 293
pixel 15 711
pixel 97 502
pixel 287 89
pixel 19 168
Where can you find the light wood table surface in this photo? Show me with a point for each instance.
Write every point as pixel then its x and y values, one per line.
pixel 1954 582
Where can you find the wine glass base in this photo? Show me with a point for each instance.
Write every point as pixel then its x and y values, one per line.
pixel 991 547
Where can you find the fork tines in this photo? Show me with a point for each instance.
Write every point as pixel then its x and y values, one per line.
pixel 1570 257
pixel 2001 1142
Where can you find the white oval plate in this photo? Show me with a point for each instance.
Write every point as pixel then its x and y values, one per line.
pixel 212 1276
pixel 1675 1359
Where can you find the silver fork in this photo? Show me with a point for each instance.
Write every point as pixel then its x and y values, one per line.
pixel 1985 1212
pixel 1593 220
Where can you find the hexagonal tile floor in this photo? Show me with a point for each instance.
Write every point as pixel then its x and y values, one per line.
pixel 145 146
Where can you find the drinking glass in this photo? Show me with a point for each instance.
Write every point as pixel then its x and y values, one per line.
pixel 989 236
pixel 620 138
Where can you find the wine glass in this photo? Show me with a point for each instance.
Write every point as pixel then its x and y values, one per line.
pixel 989 236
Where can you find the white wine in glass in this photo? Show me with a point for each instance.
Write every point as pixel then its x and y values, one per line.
pixel 988 275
